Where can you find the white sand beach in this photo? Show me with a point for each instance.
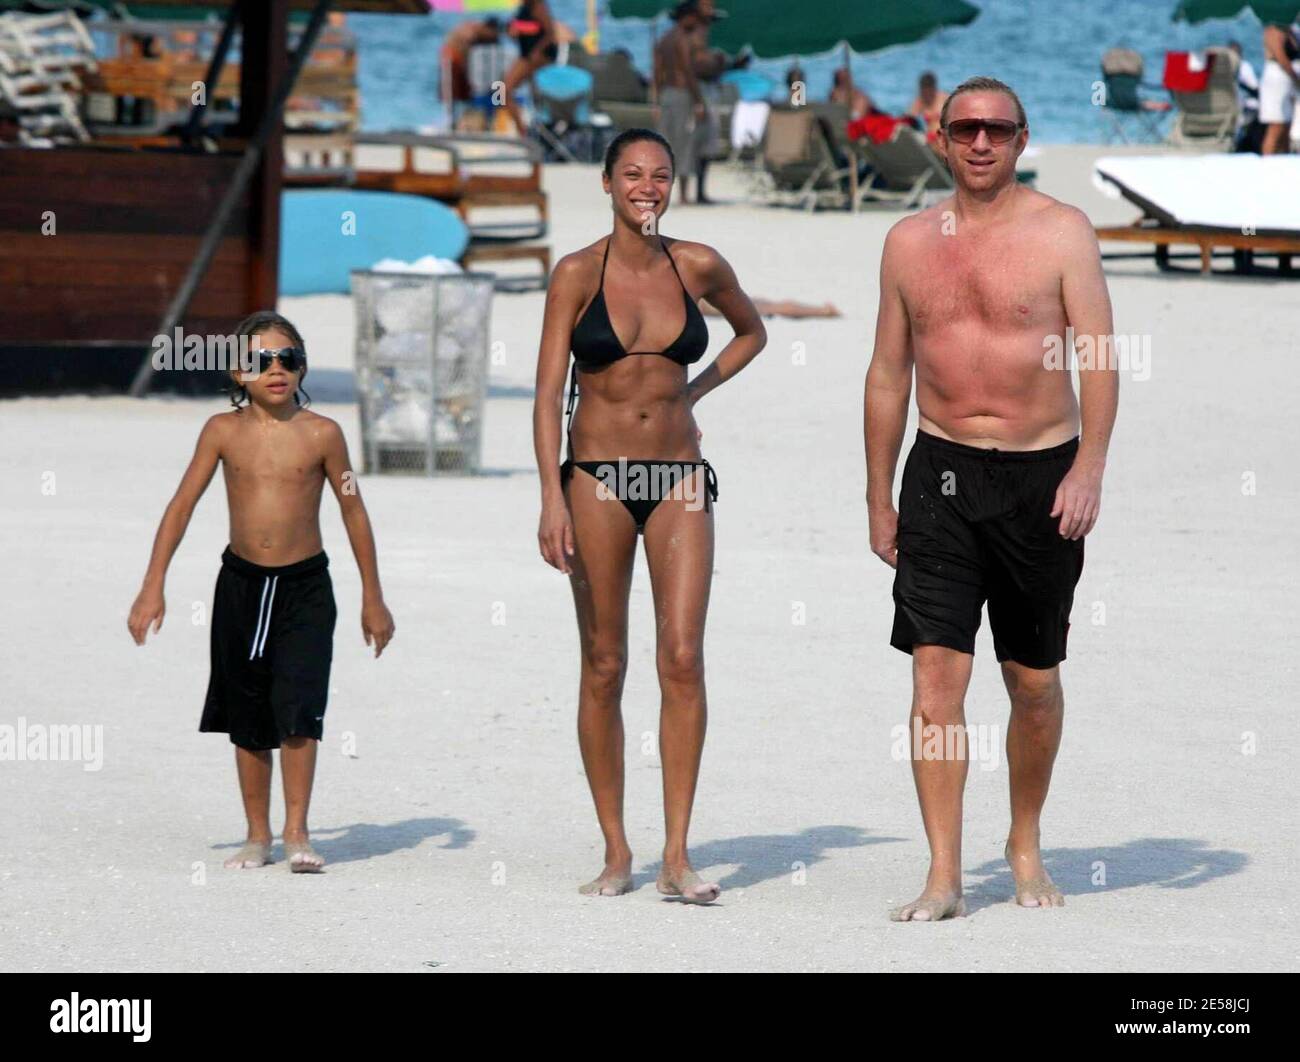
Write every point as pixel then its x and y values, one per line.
pixel 450 799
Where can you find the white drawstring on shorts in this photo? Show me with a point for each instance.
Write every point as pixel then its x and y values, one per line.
pixel 264 616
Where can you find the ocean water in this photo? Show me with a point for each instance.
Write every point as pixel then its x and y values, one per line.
pixel 1048 50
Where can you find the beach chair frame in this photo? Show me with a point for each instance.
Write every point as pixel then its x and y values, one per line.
pixel 1209 118
pixel 809 179
pixel 908 171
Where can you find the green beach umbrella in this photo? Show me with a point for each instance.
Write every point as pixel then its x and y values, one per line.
pixel 1276 12
pixel 640 8
pixel 776 28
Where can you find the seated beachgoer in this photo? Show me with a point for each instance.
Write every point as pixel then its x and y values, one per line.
pixel 928 104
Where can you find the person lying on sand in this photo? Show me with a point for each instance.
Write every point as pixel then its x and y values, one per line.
pixel 780 308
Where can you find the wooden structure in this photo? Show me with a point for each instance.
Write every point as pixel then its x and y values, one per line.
pixel 475 174
pixel 146 88
pixel 1242 247
pixel 102 248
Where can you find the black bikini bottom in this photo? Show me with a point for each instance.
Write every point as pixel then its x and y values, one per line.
pixel 642 485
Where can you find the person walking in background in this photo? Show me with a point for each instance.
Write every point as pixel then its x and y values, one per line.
pixel 710 65
pixel 1277 86
pixel 928 104
pixel 534 31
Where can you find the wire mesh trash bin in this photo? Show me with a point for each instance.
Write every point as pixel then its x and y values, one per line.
pixel 422 366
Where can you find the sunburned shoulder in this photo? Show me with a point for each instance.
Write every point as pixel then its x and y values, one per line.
pixel 916 229
pixel 1052 216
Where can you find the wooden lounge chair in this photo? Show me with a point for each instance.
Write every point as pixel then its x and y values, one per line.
pixel 473 173
pixel 1248 214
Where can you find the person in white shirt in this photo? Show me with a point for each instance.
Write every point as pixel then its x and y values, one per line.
pixel 1277 86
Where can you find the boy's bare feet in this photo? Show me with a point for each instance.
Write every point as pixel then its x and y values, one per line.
pixel 253 854
pixel 1034 886
pixel 933 905
pixel 684 882
pixel 303 858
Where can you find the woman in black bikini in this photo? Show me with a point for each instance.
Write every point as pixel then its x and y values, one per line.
pixel 633 467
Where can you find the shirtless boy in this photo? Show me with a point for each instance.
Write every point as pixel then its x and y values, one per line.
pixel 1002 483
pixel 273 613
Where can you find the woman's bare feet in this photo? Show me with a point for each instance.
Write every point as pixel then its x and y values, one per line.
pixel 254 854
pixel 1034 886
pixel 933 905
pixel 682 881
pixel 303 858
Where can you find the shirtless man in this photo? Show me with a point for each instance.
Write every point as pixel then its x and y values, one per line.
pixel 455 55
pixel 928 105
pixel 1002 484
pixel 273 615
pixel 682 113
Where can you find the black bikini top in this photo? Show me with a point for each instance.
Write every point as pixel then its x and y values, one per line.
pixel 594 342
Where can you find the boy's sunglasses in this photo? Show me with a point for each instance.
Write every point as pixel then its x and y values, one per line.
pixel 292 358
pixel 998 130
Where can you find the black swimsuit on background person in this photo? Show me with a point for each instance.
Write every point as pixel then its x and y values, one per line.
pixel 594 345
pixel 529 32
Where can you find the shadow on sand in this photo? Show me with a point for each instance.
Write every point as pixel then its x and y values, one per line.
pixel 1168 862
pixel 765 856
pixel 365 840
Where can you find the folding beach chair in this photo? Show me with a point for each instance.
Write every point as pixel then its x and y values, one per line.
pixel 1209 118
pixel 1121 72
pixel 41 58
pixel 619 89
pixel 799 163
pixel 907 170
pixel 563 108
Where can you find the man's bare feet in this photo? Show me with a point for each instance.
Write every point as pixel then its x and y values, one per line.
pixel 685 883
pixel 254 854
pixel 1034 886
pixel 933 905
pixel 303 858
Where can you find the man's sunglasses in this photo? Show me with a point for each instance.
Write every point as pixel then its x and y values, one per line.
pixel 292 358
pixel 998 130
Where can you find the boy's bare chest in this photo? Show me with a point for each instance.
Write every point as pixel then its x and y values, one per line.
pixel 285 459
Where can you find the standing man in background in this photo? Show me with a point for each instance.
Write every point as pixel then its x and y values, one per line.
pixel 681 108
